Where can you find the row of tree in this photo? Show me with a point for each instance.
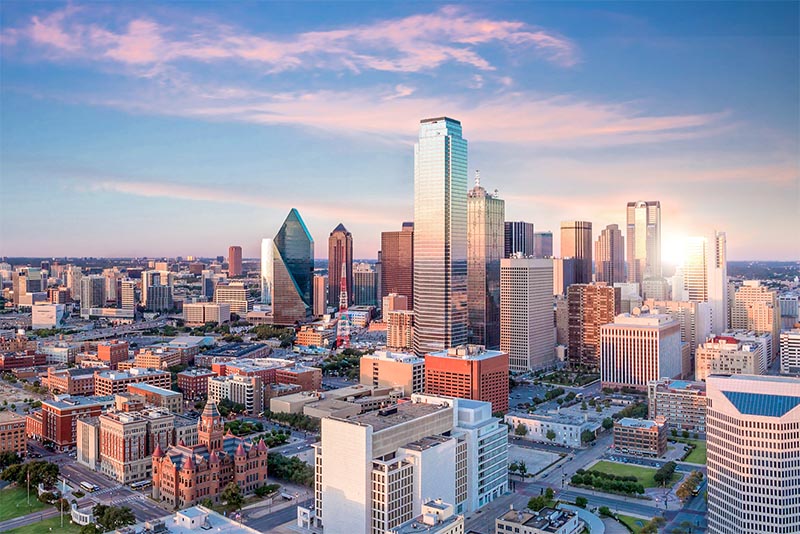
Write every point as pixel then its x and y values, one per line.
pixel 664 473
pixel 295 420
pixel 689 485
pixel 596 480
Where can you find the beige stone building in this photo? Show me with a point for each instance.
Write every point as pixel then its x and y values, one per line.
pixel 755 307
pixel 393 369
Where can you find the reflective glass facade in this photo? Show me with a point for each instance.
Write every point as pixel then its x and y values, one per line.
pixel 644 240
pixel 440 236
pixel 292 272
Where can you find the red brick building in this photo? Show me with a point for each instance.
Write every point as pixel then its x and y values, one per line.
pixel 113 382
pixel 184 476
pixel 15 360
pixel 469 372
pixel 193 383
pixel 59 419
pixel 77 381
pixel 112 352
pixel 308 378
pixel 12 433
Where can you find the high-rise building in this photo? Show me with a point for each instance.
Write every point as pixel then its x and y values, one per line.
pixel 112 277
pixel 576 242
pixel 365 285
pixel 589 306
pixel 644 240
pixel 293 272
pixel 518 239
pixel 394 302
pixel 638 348
pixel 485 238
pixel 266 270
pixel 126 294
pixel 321 295
pixel 526 313
pixel 27 280
pixel 440 236
pixel 729 355
pixel 790 351
pixel 93 292
pixel 705 273
pixel 469 372
pixel 397 262
pixel 159 298
pixel 755 307
pixel 609 255
pixel 400 330
pixel 234 261
pixel 543 244
pixel 753 454
pixel 564 274
pixel 157 279
pixel 340 251
pixel 393 369
pixel 234 294
pixel 680 402
pixel 72 279
pixel 374 470
pixel 200 313
pixel 694 318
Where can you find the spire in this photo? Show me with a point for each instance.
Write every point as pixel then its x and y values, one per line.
pixel 157 452
pixel 240 450
pixel 262 446
pixel 211 409
pixel 188 465
pixel 340 228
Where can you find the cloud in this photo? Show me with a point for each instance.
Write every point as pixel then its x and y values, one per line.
pixel 415 43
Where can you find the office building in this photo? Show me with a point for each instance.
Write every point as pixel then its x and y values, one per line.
pixel 705 273
pixel 644 240
pixel 755 307
pixel 538 427
pixel 93 292
pixel 630 296
pixel 193 383
pixel 680 402
pixel 374 470
pixel 126 294
pixel 576 242
pixel 543 244
pixel 340 252
pixel 315 336
pixel 27 280
pixel 609 255
pixel 292 272
pixel 545 521
pixel 171 401
pixel 437 517
pixel 234 261
pixel 485 242
pixel 790 351
pixel 48 315
pixel 790 310
pixel 397 262
pixel 57 420
pixel 728 355
pixel 154 296
pixel 265 273
pixel 209 280
pixel 245 390
pixel 518 239
pixel 589 306
pixel 641 437
pixel 564 274
pixel 469 372
pixel 365 285
pixel 59 352
pixel 640 347
pixel 394 302
pixel 184 475
pixel 113 382
pixel 694 318
pixel 72 279
pixel 400 330
pixel 526 313
pixel 156 358
pixel 753 454
pixel 234 294
pixel 12 433
pixel 76 381
pixel 307 378
pixel 393 369
pixel 320 295
pixel 112 352
pixel 200 313
pixel 58 295
pixel 440 236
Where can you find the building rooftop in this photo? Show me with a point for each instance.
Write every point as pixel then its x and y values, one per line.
pixel 11 417
pixel 236 350
pixel 395 415
pixel 467 352
pixel 197 371
pixel 636 423
pixel 194 520
pixel 74 402
pixel 400 357
pixel 154 389
pixel 134 371
pixel 558 418
pixel 426 443
pixel 546 519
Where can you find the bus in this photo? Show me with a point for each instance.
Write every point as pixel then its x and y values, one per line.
pixel 142 484
pixel 89 487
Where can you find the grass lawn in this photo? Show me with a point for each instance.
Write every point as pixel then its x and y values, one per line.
pixel 698 455
pixel 644 474
pixel 14 503
pixel 634 523
pixel 48 525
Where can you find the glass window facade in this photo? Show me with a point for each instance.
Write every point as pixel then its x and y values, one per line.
pixel 293 272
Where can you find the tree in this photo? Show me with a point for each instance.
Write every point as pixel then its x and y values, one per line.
pixel 88 529
pixel 232 495
pixel 684 434
pixel 584 407
pixel 537 503
pixel 523 469
pixel 9 458
pixel 110 518
pixel 40 473
pixel 606 511
pixel 551 435
pixel 674 432
pixel 608 423
pixel 587 436
pixel 521 430
pixel 581 501
pixel 549 493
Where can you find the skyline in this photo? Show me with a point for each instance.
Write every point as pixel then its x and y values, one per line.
pixel 133 125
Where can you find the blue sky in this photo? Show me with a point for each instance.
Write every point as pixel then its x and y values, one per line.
pixel 182 128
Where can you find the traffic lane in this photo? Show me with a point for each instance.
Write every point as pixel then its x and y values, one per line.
pixel 76 473
pixel 279 517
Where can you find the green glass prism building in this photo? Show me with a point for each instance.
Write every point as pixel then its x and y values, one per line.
pixel 440 236
pixel 292 277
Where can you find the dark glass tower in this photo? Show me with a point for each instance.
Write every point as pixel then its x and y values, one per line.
pixel 292 272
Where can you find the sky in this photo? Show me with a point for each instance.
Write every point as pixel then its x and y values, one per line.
pixel 176 129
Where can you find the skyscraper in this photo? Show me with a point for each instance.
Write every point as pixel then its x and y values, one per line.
pixel 753 454
pixel 340 251
pixel 705 273
pixel 755 307
pixel 576 242
pixel 644 240
pixel 266 270
pixel 93 292
pixel 234 261
pixel 440 236
pixel 365 286
pixel 485 244
pixel 292 271
pixel 589 306
pixel 543 244
pixel 321 295
pixel 609 255
pixel 397 262
pixel 526 313
pixel 519 238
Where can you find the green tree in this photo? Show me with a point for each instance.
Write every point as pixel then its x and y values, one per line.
pixel 584 407
pixel 110 518
pixel 537 503
pixel 581 501
pixel 232 496
pixel 551 435
pixel 523 469
pixel 606 511
pixel 521 430
pixel 587 436
pixel 550 494
pixel 88 529
pixel 608 423
pixel 208 503
pixel 513 467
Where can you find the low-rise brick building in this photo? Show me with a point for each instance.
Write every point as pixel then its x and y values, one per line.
pixel 159 397
pixel 57 421
pixel 641 437
pixel 113 382
pixel 76 381
pixel 193 383
pixel 12 433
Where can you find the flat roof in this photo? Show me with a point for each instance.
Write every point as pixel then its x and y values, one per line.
pixel 73 402
pixel 155 389
pixel 10 417
pixel 395 415
pixel 132 372
pixel 636 423
pixel 214 522
pixel 236 349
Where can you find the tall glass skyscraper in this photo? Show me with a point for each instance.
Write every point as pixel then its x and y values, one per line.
pixel 644 240
pixel 485 248
pixel 440 236
pixel 292 272
pixel 266 270
pixel 340 251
